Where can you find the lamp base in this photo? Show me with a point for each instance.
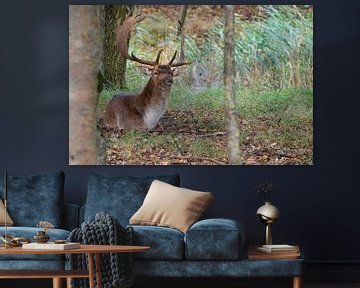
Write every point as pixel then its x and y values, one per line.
pixel 268 237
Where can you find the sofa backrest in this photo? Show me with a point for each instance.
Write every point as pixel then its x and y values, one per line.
pixel 120 196
pixel 35 198
pixel 70 216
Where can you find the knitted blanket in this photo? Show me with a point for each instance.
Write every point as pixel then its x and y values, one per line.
pixel 116 268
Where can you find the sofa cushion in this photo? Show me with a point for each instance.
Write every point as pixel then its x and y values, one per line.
pixel 29 232
pixel 120 196
pixel 169 206
pixel 9 221
pixel 214 239
pixel 165 243
pixel 35 198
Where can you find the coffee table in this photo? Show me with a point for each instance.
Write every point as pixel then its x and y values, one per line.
pixel 92 251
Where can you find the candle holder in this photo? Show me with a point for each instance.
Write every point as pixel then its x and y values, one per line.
pixel 41 237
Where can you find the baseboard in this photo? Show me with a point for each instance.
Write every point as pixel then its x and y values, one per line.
pixel 332 271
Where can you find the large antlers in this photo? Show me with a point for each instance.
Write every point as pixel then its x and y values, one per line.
pixel 122 43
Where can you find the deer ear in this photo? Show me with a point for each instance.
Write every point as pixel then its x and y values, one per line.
pixel 175 72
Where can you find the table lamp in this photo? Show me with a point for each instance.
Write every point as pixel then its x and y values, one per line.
pixel 268 214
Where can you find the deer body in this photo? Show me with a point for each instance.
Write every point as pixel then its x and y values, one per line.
pixel 144 110
pixel 139 111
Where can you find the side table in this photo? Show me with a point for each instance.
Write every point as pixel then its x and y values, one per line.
pixel 255 255
pixel 93 251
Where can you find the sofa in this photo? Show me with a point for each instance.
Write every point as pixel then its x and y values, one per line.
pixel 209 248
pixel 32 199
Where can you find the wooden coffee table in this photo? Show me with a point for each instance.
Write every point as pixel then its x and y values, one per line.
pixel 93 251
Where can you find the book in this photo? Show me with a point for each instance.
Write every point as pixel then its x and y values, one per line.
pixel 51 246
pixel 255 254
pixel 277 249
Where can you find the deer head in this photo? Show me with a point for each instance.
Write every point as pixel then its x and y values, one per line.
pixel 161 74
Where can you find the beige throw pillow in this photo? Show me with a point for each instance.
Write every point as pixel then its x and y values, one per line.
pixel 170 206
pixel 9 221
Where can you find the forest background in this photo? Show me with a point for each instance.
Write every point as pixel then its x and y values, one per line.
pixel 273 53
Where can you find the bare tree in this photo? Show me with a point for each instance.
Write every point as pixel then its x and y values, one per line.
pixel 232 126
pixel 85 47
pixel 114 64
pixel 181 19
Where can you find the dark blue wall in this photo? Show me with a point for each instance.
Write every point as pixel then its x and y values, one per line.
pixel 318 203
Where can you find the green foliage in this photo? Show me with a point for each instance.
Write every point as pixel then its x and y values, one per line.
pixel 274 50
pixel 183 97
pixel 278 48
pixel 292 102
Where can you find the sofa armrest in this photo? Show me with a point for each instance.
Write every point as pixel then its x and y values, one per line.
pixel 215 239
pixel 71 216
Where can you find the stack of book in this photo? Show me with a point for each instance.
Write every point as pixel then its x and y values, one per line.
pixel 278 249
pixel 282 251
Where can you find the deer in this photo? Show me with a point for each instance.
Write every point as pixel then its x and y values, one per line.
pixel 141 111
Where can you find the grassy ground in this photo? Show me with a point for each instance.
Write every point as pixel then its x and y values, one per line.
pixel 276 128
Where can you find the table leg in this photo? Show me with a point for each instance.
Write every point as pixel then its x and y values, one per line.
pixel 91 270
pixel 57 283
pixel 68 282
pixel 98 270
pixel 297 282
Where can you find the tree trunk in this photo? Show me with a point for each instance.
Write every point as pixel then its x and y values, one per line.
pixel 232 127
pixel 114 64
pixel 181 19
pixel 85 47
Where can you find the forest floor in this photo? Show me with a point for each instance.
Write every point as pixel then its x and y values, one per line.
pixel 197 136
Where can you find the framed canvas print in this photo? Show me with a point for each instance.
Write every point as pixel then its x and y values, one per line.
pixel 191 85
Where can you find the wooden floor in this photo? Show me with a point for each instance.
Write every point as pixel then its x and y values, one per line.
pixel 45 283
pixel 338 285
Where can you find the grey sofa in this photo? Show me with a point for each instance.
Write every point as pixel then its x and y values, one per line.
pixel 32 199
pixel 210 248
